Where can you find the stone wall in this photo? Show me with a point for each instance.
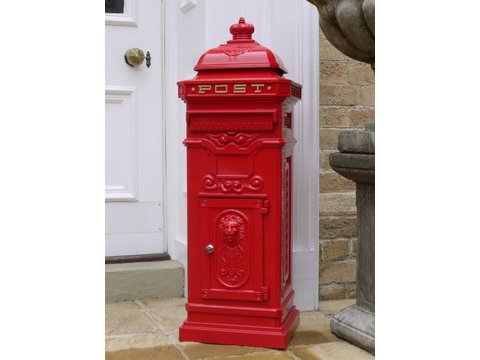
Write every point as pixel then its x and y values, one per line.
pixel 346 102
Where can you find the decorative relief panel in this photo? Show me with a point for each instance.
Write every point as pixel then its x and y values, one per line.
pixel 286 221
pixel 232 122
pixel 231 234
pixel 234 226
pixel 232 185
pixel 240 139
pixel 233 51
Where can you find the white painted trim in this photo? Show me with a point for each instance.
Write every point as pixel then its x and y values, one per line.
pixel 305 281
pixel 306 159
pixel 118 193
pixel 128 191
pixel 128 18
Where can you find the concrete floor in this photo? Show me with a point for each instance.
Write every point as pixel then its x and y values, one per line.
pixel 148 329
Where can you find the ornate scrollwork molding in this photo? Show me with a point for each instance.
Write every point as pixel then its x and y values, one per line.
pixel 231 231
pixel 240 139
pixel 232 185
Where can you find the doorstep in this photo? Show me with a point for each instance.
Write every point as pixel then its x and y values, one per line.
pixel 134 281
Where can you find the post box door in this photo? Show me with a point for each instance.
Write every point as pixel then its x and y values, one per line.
pixel 231 246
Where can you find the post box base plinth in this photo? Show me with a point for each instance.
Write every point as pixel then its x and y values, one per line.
pixel 269 337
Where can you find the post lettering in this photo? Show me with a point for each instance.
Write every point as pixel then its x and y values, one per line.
pixel 257 87
pixel 221 89
pixel 203 88
pixel 239 88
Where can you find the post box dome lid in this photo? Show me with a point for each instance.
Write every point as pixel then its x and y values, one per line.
pixel 242 52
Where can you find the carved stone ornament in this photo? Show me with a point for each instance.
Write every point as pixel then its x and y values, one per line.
pixel 350 26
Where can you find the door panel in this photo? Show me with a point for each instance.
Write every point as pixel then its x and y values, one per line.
pixel 234 229
pixel 134 135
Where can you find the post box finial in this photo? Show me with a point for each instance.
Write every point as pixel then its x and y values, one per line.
pixel 242 30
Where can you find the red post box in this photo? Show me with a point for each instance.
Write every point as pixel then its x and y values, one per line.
pixel 239 174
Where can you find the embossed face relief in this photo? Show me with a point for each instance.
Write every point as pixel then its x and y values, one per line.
pixel 230 230
pixel 233 229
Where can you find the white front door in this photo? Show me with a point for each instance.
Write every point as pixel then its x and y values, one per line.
pixel 134 130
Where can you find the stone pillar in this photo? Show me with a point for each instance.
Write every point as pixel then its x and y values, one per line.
pixel 356 161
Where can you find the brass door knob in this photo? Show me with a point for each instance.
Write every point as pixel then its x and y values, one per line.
pixel 134 57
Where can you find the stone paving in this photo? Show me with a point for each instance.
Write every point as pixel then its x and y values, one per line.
pixel 148 330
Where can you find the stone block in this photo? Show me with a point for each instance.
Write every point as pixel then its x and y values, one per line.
pixel 334 117
pixel 334 72
pixel 329 139
pixel 337 204
pixel 357 167
pixel 328 52
pixel 360 74
pixel 356 141
pixel 346 117
pixel 338 272
pixel 356 325
pixel 366 95
pixel 332 250
pixel 354 247
pixel 332 351
pixel 334 182
pixel 351 291
pixel 133 281
pixel 336 227
pixel 325 159
pixel 343 94
pixel 332 292
pixel 360 116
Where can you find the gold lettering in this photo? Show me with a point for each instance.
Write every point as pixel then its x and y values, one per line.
pixel 257 86
pixel 221 89
pixel 203 88
pixel 240 88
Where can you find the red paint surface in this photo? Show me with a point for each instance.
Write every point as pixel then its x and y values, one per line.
pixel 239 164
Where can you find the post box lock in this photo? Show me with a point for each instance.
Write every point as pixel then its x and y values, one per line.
pixel 209 249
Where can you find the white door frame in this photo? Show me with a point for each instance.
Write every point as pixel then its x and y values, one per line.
pixel 290 29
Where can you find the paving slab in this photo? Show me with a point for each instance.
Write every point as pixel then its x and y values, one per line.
pixel 272 355
pixel 338 350
pixel 314 328
pixel 332 306
pixel 147 329
pixel 196 351
pixel 168 352
pixel 127 322
pixel 137 341
pixel 155 303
